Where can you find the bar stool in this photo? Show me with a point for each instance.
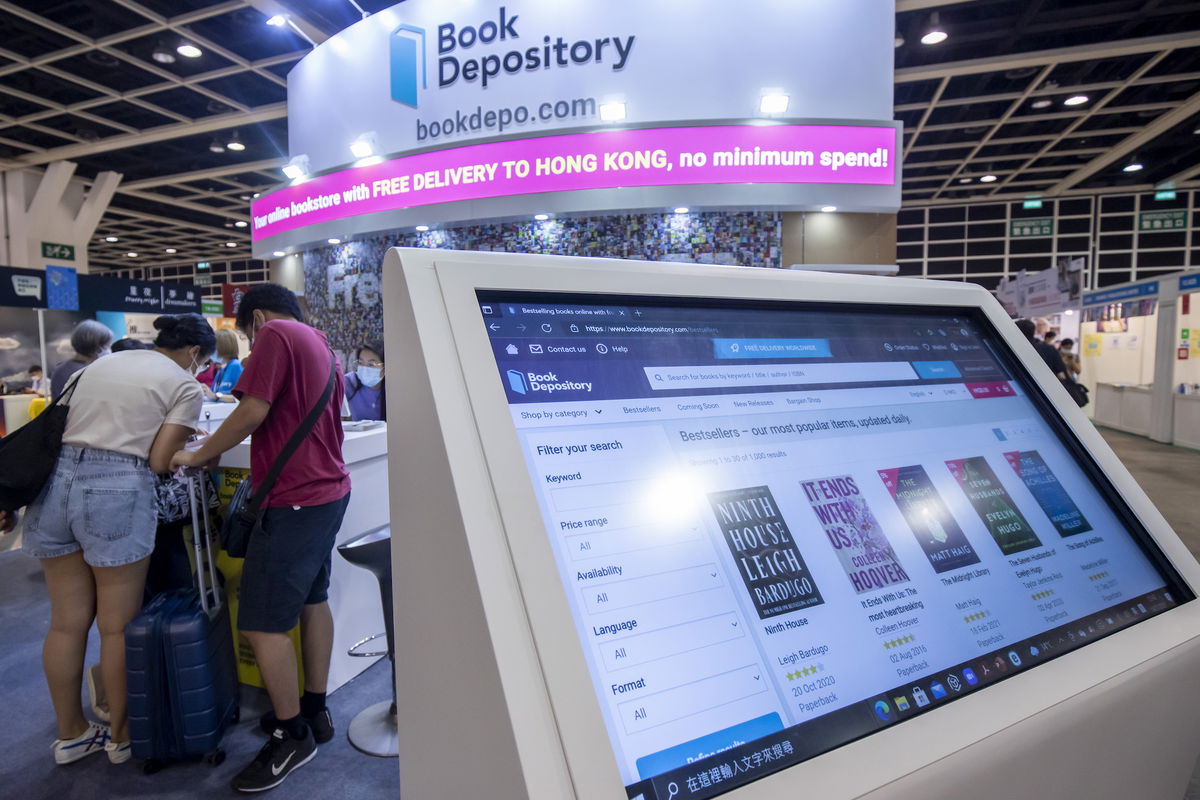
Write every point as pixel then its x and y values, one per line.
pixel 374 730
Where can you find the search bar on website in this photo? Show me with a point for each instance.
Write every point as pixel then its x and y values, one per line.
pixel 777 375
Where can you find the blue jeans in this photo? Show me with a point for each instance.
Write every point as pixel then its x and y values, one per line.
pixel 97 501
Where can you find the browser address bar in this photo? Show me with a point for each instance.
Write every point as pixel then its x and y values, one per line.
pixel 777 375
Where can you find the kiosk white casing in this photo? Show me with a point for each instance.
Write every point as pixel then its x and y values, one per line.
pixel 493 695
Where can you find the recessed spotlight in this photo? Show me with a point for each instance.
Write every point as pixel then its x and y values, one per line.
pixel 112 239
pixel 162 55
pixel 241 223
pixel 279 254
pixel 296 168
pixel 422 228
pixel 1042 103
pixel 681 210
pixel 1075 100
pixel 611 112
pixel 170 250
pixel 936 34
pixel 189 50
pixel 364 145
pixel 277 21
pixel 541 217
pixel 334 240
pixel 828 209
pixel 1132 166
pixel 965 180
pixel 774 103
pixel 987 179
pixel 131 255
pixel 231 244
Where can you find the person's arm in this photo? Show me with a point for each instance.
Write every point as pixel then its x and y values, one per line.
pixel 242 422
pixel 8 521
pixel 170 437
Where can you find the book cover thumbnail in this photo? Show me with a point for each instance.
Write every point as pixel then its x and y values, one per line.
pixel 993 504
pixel 864 552
pixel 932 524
pixel 1064 515
pixel 768 560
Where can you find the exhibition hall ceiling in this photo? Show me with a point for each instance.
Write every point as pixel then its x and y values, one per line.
pixel 187 99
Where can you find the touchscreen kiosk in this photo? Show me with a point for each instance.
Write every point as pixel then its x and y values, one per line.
pixel 742 533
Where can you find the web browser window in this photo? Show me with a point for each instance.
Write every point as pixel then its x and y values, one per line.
pixel 782 527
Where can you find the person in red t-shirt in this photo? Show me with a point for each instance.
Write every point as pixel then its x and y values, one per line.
pixel 285 577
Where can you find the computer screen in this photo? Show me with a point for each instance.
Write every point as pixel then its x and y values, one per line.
pixel 783 526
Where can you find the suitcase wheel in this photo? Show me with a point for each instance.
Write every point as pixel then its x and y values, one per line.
pixel 151 766
pixel 216 758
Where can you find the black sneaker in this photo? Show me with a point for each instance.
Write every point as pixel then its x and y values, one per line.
pixel 320 724
pixel 277 759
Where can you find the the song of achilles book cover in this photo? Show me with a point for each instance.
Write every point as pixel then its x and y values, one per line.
pixel 765 552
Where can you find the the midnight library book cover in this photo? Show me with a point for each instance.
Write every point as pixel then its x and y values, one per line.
pixel 1042 483
pixel 864 552
pixel 993 504
pixel 932 524
pixel 766 555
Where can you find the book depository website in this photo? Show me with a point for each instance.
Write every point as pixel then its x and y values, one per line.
pixel 783 528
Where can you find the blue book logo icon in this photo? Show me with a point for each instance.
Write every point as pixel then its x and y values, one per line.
pixel 516 380
pixel 408 61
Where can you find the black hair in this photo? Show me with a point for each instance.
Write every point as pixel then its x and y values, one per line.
pixel 1026 327
pixel 1048 335
pixel 121 345
pixel 267 297
pixel 375 346
pixel 35 368
pixel 1067 343
pixel 176 331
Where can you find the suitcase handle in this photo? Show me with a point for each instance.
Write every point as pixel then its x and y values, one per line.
pixel 198 490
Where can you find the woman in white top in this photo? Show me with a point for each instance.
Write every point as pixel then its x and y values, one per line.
pixel 93 524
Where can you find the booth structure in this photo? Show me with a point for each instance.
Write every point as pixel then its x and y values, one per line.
pixel 1139 358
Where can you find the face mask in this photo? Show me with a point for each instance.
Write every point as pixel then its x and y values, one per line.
pixel 107 351
pixel 370 376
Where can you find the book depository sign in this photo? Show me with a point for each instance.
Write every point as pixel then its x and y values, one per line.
pixel 428 76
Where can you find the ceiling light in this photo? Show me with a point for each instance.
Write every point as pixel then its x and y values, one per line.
pixel 1075 100
pixel 1069 312
pixel 935 34
pixel 243 197
pixel 162 55
pixel 231 244
pixel 334 240
pixel 611 112
pixel 899 41
pixel 681 210
pixel 131 255
pixel 279 254
pixel 189 50
pixel 422 228
pixel 368 161
pixel 111 239
pixel 775 103
pixel 988 179
pixel 297 167
pixel 277 21
pixel 364 145
pixel 170 250
pixel 1132 166
pixel 1043 103
pixel 828 209
pixel 256 195
pixel 235 143
pixel 541 217
pixel 965 180
pixel 216 146
pixel 241 223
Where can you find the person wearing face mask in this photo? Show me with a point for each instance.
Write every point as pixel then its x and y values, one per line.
pixel 90 340
pixel 93 525
pixel 366 393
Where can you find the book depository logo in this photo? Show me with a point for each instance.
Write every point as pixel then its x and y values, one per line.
pixel 408 64
pixel 547 382
pixel 516 380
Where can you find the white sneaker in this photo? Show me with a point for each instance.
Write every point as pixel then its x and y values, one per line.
pixel 90 741
pixel 99 700
pixel 118 752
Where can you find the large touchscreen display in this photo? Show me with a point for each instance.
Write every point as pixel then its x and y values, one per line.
pixel 783 527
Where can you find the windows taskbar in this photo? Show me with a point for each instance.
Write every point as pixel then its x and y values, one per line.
pixel 738 766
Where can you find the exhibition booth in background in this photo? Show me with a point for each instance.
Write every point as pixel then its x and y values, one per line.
pixel 755 136
pixel 1139 358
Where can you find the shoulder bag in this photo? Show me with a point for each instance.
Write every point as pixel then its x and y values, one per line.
pixel 28 454
pixel 245 508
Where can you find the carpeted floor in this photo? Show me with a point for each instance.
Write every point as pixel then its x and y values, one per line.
pixel 28 771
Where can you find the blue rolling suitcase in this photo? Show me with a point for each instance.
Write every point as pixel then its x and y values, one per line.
pixel 179 658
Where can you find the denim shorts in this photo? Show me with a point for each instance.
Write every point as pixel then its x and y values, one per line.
pixel 97 501
pixel 287 565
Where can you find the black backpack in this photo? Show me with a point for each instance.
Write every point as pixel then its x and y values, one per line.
pixel 27 455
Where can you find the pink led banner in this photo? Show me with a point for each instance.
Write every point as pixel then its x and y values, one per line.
pixel 834 154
